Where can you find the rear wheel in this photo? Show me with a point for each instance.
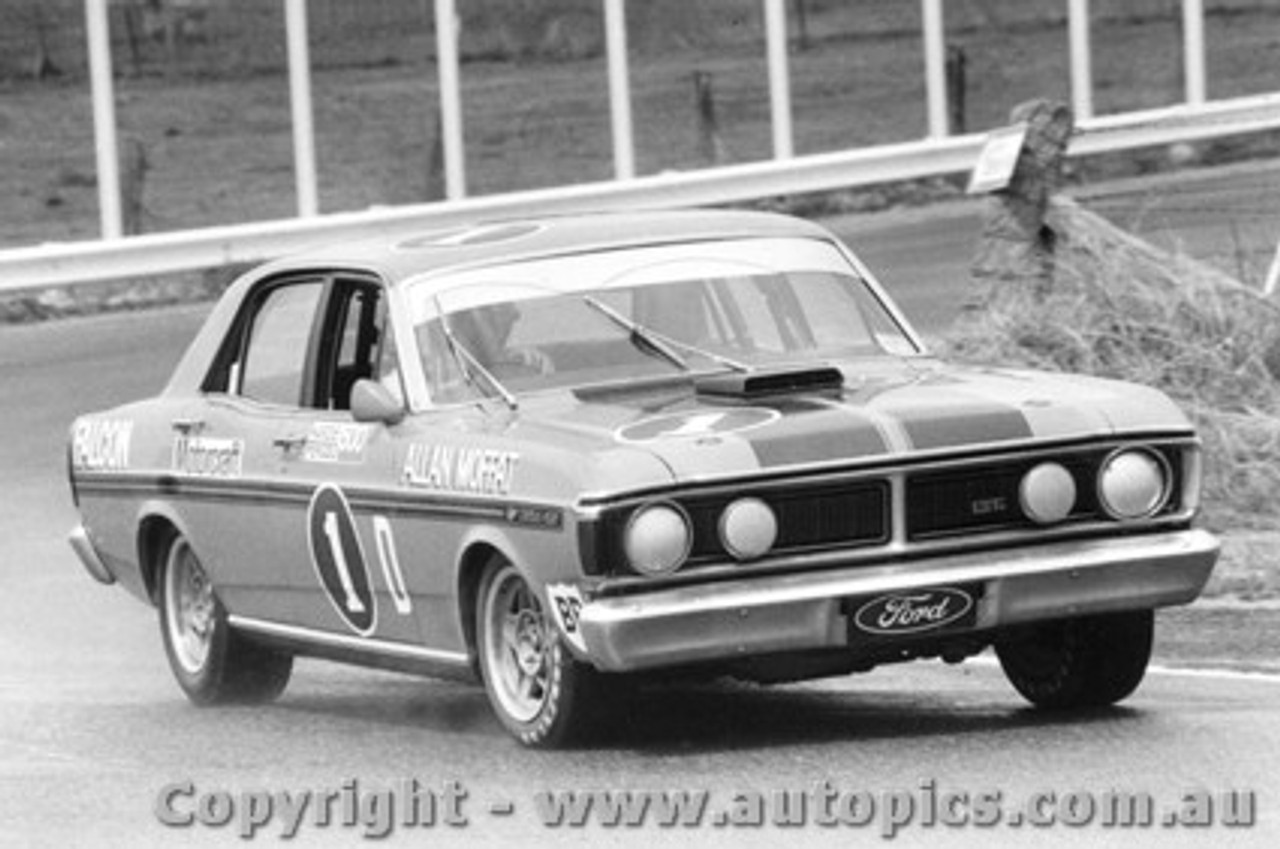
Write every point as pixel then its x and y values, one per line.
pixel 1091 661
pixel 212 663
pixel 539 691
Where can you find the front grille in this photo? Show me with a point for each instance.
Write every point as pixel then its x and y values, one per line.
pixel 965 498
pixel 808 518
pixel 984 497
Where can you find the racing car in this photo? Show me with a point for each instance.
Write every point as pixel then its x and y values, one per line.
pixel 557 456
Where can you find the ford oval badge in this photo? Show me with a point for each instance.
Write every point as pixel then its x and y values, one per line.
pixel 913 612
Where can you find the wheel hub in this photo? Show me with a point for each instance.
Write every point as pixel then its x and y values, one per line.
pixel 529 642
pixel 192 613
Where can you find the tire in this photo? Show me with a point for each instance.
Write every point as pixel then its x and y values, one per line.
pixel 1091 661
pixel 543 696
pixel 212 663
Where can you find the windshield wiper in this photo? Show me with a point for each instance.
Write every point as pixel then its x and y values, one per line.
pixel 644 338
pixel 467 363
pixel 660 342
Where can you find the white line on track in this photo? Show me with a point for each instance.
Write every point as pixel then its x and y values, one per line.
pixel 1177 671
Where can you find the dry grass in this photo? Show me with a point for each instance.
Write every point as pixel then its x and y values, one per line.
pixel 1122 308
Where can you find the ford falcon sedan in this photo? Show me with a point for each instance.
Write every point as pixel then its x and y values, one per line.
pixel 556 456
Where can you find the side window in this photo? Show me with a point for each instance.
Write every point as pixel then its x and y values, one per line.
pixel 275 357
pixel 356 345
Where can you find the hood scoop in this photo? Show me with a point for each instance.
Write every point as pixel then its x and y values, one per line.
pixel 771 382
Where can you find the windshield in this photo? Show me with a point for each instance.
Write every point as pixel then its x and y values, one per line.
pixel 629 314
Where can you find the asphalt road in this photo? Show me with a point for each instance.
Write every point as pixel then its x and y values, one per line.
pixel 92 729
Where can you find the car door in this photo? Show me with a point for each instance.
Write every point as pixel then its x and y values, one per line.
pixel 225 455
pixel 350 581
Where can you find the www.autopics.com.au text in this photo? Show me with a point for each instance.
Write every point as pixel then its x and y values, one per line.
pixel 377 812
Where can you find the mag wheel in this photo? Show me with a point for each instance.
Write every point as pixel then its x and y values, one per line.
pixel 212 663
pixel 541 694
pixel 1086 662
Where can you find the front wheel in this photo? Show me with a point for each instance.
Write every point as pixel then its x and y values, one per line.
pixel 211 662
pixel 1091 661
pixel 538 690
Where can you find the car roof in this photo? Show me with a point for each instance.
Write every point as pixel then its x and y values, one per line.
pixel 400 256
pixel 403 255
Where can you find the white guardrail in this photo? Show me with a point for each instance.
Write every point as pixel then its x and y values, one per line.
pixel 160 253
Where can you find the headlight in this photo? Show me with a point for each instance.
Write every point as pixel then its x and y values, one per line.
pixel 748 528
pixel 657 539
pixel 1047 493
pixel 1133 484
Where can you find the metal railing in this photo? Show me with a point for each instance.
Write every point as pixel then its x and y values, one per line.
pixel 160 253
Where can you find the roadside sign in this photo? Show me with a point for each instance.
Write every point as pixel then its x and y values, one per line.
pixel 998 159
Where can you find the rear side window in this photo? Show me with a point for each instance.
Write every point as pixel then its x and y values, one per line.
pixel 275 359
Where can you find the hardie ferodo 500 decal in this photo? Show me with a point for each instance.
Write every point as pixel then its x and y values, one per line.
pixel 335 442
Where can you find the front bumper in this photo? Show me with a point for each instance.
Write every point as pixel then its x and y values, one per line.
pixel 783 613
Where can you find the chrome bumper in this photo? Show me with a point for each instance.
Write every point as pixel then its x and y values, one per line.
pixel 804 611
pixel 82 545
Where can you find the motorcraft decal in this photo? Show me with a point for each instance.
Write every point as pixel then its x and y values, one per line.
pixel 448 468
pixel 101 444
pixel 336 442
pixel 208 457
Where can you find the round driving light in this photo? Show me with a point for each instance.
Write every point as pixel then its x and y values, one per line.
pixel 657 539
pixel 1047 493
pixel 748 528
pixel 1132 484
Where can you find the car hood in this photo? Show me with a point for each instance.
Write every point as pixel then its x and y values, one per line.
pixel 886 410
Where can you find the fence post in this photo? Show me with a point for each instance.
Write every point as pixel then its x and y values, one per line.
pixel 1193 73
pixel 447 63
pixel 615 25
pixel 133 176
pixel 436 189
pixel 710 147
pixel 1016 245
pixel 935 70
pixel 104 117
pixel 775 17
pixel 1081 59
pixel 957 85
pixel 304 137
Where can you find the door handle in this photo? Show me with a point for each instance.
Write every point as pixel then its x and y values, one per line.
pixel 292 442
pixel 192 425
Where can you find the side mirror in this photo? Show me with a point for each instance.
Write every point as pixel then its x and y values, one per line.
pixel 373 402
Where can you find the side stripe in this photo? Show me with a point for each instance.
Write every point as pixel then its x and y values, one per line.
pixel 265 492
